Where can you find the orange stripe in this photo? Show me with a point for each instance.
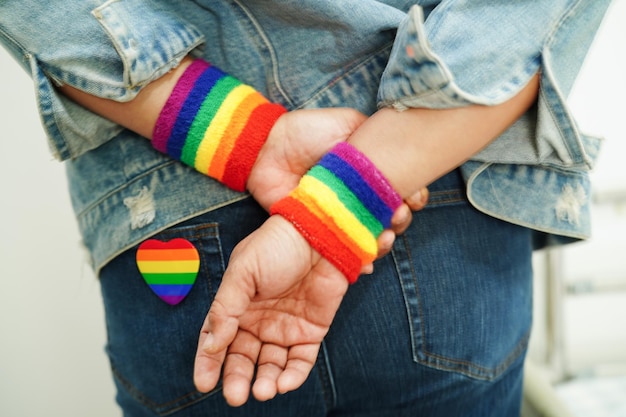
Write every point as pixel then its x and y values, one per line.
pixel 312 206
pixel 167 254
pixel 249 144
pixel 238 121
pixel 319 236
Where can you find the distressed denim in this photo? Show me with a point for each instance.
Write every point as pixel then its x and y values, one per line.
pixel 440 329
pixel 303 54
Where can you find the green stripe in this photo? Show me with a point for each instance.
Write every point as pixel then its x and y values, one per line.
pixel 348 199
pixel 205 115
pixel 170 278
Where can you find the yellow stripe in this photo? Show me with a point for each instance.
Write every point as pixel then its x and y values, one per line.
pixel 214 132
pixel 168 266
pixel 328 201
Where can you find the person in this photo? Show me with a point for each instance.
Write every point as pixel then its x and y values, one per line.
pixel 441 326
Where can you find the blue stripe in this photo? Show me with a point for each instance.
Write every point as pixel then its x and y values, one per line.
pixel 171 290
pixel 361 189
pixel 188 112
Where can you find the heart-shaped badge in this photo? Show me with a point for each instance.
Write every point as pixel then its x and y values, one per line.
pixel 169 268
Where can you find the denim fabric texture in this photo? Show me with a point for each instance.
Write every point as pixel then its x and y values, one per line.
pixel 310 53
pixel 440 329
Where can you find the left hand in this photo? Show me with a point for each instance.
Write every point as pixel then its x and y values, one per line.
pixel 276 302
pixel 298 141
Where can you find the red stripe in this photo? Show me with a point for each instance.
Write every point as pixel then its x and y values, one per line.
pixel 319 236
pixel 248 145
pixel 178 243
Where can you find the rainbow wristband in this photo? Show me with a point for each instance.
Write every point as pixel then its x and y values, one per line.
pixel 215 124
pixel 341 206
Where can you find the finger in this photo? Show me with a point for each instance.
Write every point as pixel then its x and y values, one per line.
pixel 239 368
pixel 418 200
pixel 218 331
pixel 401 219
pixel 300 361
pixel 385 243
pixel 271 364
pixel 207 368
pixel 231 301
pixel 367 269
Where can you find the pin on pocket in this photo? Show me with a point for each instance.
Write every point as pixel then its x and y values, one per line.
pixel 169 268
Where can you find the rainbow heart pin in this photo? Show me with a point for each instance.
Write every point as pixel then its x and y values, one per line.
pixel 169 268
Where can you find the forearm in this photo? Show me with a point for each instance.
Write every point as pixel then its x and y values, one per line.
pixel 342 204
pixel 199 115
pixel 414 147
pixel 141 113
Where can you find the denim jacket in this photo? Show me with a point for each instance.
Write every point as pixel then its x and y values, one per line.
pixel 309 53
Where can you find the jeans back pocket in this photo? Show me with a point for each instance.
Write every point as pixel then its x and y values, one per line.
pixel 151 344
pixel 467 283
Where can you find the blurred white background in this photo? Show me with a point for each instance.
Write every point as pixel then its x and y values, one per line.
pixel 52 360
pixel 52 337
pixel 594 272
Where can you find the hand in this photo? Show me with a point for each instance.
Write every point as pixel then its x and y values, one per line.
pixel 297 141
pixel 274 306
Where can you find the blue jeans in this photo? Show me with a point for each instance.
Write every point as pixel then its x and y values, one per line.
pixel 440 329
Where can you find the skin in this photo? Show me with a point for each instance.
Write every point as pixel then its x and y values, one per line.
pixel 278 296
pixel 295 143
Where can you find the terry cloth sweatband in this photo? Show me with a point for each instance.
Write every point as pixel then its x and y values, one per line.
pixel 215 124
pixel 341 206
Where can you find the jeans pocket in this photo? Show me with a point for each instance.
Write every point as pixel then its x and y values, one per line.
pixel 467 283
pixel 151 344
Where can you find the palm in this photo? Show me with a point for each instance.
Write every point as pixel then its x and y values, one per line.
pixel 269 316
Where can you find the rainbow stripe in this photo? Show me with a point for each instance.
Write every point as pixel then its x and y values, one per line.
pixel 215 124
pixel 341 206
pixel 169 268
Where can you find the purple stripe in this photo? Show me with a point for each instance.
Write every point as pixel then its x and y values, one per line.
pixel 172 299
pixel 169 113
pixel 370 173
pixel 359 187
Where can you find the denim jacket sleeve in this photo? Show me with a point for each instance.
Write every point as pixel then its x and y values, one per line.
pixel 110 51
pixel 484 52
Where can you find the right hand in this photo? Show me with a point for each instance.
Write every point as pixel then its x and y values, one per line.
pixel 298 141
pixel 276 302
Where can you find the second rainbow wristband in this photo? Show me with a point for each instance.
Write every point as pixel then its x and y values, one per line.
pixel 341 206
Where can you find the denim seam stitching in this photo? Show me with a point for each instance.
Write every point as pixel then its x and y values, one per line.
pixel 444 363
pixel 358 65
pixel 411 328
pixel 326 377
pixel 166 226
pixel 161 409
pixel 500 216
pixel 273 58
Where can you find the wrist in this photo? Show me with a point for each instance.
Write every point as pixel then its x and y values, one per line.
pixel 214 123
pixel 341 206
